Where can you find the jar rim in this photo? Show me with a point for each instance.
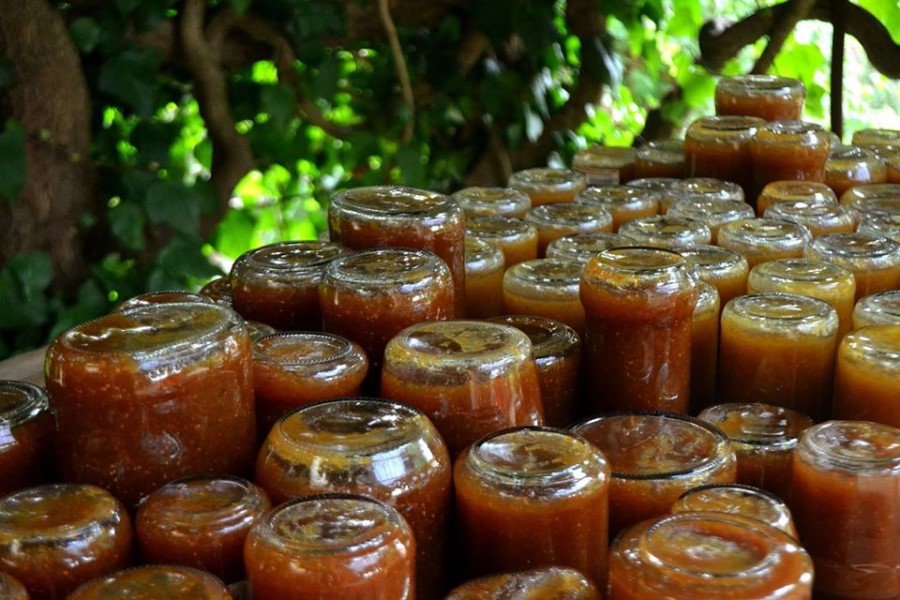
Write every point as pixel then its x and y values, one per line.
pixel 21 402
pixel 848 445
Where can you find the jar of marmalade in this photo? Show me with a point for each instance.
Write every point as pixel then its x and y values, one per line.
pixel 553 221
pixel 712 212
pixel 849 166
pixel 809 192
pixel 704 347
pixel 154 582
pixel 11 588
pixel 163 297
pixel 763 437
pixel 489 201
pixel 623 202
pixel 219 291
pixel 547 185
pixel 654 184
pixel 719 147
pixel 200 522
pixel 708 556
pixel 295 368
pixel 605 165
pixel 151 394
pixel 557 354
pixel 580 247
pixel 779 349
pixel 769 97
pixel 331 547
pixel 517 239
pixel 882 308
pixel 638 305
pixel 866 375
pixel 55 537
pixel 485 265
pixel 845 496
pixel 667 231
pixel 380 216
pixel 532 497
pixel 788 150
pixel 547 287
pixel 726 269
pixel 279 284
pixel 653 459
pixel 887 226
pixel 818 218
pixel 874 261
pixel 760 240
pixel 471 378
pixel 892 162
pixel 27 430
pixel 873 200
pixel 880 139
pixel 737 499
pixel 709 188
pixel 660 158
pixel 546 582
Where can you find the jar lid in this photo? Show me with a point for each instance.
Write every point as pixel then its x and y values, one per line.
pixel 21 402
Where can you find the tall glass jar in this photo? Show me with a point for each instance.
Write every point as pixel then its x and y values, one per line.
pixel 779 349
pixel 544 582
pixel 532 497
pixel 849 166
pixel 377 448
pixel 489 201
pixel 660 158
pixel 788 150
pixel 623 202
pixel 738 499
pixel 760 240
pixel 719 147
pixel 547 185
pixel 27 431
pixel 279 284
pixel 55 537
pixel 866 375
pixel 845 496
pixel 553 221
pixel 768 97
pixel 331 547
pixel 154 582
pixel 485 265
pixel 810 192
pixel 151 394
pixel 666 231
pixel 763 437
pixel 712 212
pixel 547 287
pixel 517 239
pixel 708 556
pixel 653 459
pixel 582 246
pixel 471 378
pixel 882 308
pixel 704 347
pixel 726 269
pixel 874 261
pixel 380 216
pixel 605 165
pixel 818 218
pixel 638 305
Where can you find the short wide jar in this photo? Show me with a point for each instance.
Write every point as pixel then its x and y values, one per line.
pixel 27 430
pixel 866 375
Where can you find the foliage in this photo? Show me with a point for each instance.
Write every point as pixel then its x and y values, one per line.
pixel 154 156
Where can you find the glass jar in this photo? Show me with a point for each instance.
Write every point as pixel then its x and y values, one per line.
pixel 789 150
pixel 660 158
pixel 485 265
pixel 331 547
pixel 737 499
pixel 845 496
pixel 163 297
pixel 557 354
pixel 532 497
pixel 666 231
pixel 219 291
pixel 517 239
pixel 55 537
pixel 849 166
pixel 547 185
pixel 381 216
pixel 369 296
pixel 256 330
pixel 763 437
pixel 623 202
pixel 605 165
pixel 713 213
pixel 760 240
pixel 887 226
pixel 553 221
pixel 27 431
pixel 377 448
pixel 12 589
pixel 880 139
pixel 546 582
pixel 726 269
pixel 653 459
pixel 154 582
pixel 708 556
pixel 719 147
pixel 873 200
pixel 638 305
pixel 818 218
pixel 547 287
pixel 892 162
pixel 826 281
pixel 866 375
pixel 810 192
pixel 295 368
pixel 768 97
pixel 778 349
pixel 471 378
pixel 704 347
pixel 490 201
pixel 709 188
pixel 581 247
pixel 874 261
pixel 151 394
pixel 882 308
pixel 653 184
pixel 278 284
pixel 200 522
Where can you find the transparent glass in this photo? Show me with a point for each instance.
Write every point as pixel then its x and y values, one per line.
pixel 489 201
pixel 582 246
pixel 154 582
pixel 470 378
pixel 605 165
pixel 660 158
pixel 710 188
pixel 768 97
pixel 624 202
pixel 219 290
pixel 892 162
pixel 874 261
pixel 873 200
pixel 666 231
pixel 532 497
pixel 485 265
pixel 653 184
pixel 547 287
pixel 653 459
pixel 27 432
pixel 545 185
pixel 882 226
pixel 712 212
pixel 849 166
pixel 737 499
pixel 760 240
pixel 546 582
pixel 12 589
pixel 810 192
pixel 373 447
pixel 845 497
pixel 726 269
pixel 789 150
pixel 719 147
pixel 882 308
pixel 151 394
pixel 704 347
pixel 517 239
pixel 866 375
pixel 818 218
pixel 331 547
pixel 880 139
pixel 553 221
pixel 162 297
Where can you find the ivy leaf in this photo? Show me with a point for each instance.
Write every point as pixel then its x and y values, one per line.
pixel 127 222
pixel 279 102
pixel 183 258
pixel 22 285
pixel 412 167
pixel 85 33
pixel 234 233
pixel 153 139
pixel 130 77
pixel 90 304
pixel 12 160
pixel 174 204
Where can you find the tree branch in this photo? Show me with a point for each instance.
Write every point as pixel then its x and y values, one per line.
pixel 384 13
pixel 779 33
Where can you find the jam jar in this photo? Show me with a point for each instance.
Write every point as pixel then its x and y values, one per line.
pixel 154 582
pixel 548 583
pixel 737 499
pixel 704 347
pixel 874 261
pixel 487 201
pixel 517 239
pixel 605 165
pixel 726 269
pixel 849 166
pixel 660 158
pixel 881 308
pixel 623 202
pixel 219 291
pixel 151 394
pixel 547 287
pixel 768 97
pixel 760 240
pixel 485 265
pixel 719 147
pixel 875 199
pixel 553 221
pixel 809 192
pixel 788 150
pixel 866 375
pixel 582 246
pixel 27 430
pixel 546 185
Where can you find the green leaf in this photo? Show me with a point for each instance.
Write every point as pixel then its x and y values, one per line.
pixel 22 285
pixel 174 204
pixel 131 77
pixel 326 81
pixel 12 160
pixel 34 272
pixel 234 233
pixel 601 62
pixel 127 222
pixel 85 33
pixel 153 140
pixel 279 101
pixel 412 166
pixel 183 258
pixel 240 6
pixel 126 6
pixel 90 304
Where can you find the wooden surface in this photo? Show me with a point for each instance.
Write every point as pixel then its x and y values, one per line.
pixel 25 367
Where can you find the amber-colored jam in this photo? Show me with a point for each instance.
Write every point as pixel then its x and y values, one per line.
pixel 582 246
pixel 712 212
pixel 818 218
pixel 660 158
pixel 866 375
pixel 849 166
pixel 726 269
pixel 488 201
pixel 547 583
pixel 517 239
pixel 485 265
pixel 605 165
pixel 768 97
pixel 719 147
pixel 704 348
pixel 55 537
pixel 219 291
pixel 737 499
pixel 546 287
pixel 547 185
pixel 553 221
pixel 874 261
pixel 11 588
pixel 27 430
pixel 882 308
pixel 331 547
pixel 623 202
pixel 759 240
pixel 788 150
pixel 667 231
pixel 163 297
pixel 154 582
pixel 532 497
